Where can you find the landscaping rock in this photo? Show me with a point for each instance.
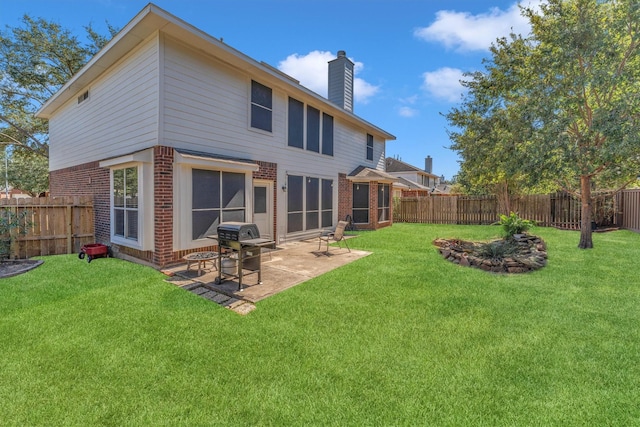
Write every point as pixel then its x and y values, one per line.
pixel 530 254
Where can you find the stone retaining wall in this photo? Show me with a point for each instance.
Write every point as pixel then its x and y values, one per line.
pixel 530 254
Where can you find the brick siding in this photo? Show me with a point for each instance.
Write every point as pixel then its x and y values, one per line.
pixel 88 179
pixel 345 201
pixel 269 171
pixel 163 205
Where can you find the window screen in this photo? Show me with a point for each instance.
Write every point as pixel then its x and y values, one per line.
pixel 259 200
pixel 216 197
pixel 313 129
pixel 361 203
pixel 369 147
pixel 327 134
pixel 309 203
pixel 313 203
pixel 383 202
pixel 296 123
pixel 326 203
pixel 232 190
pixel 261 106
pixel 295 203
pixel 125 203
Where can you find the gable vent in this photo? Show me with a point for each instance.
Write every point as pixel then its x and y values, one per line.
pixel 82 97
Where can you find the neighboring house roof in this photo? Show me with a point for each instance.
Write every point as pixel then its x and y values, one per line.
pixel 151 19
pixel 365 174
pixel 412 185
pixel 395 165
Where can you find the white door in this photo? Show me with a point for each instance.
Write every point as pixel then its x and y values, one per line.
pixel 263 207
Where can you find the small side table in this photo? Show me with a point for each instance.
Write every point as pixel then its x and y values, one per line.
pixel 201 258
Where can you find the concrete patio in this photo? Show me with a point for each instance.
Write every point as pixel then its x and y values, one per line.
pixel 288 265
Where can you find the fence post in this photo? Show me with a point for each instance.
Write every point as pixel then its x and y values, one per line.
pixel 69 229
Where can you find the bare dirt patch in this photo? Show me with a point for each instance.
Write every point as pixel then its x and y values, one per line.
pixel 11 268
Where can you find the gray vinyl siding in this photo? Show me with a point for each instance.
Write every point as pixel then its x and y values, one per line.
pixel 119 117
pixel 206 108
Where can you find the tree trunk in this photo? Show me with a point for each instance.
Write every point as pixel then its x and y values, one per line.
pixel 502 196
pixel 586 241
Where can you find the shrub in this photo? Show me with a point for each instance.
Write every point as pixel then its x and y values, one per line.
pixel 11 225
pixel 498 249
pixel 512 224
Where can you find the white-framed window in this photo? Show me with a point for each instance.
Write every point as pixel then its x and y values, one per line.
pixel 208 190
pixel 309 203
pixel 261 107
pixel 369 147
pixel 217 196
pixel 360 208
pixel 384 202
pixel 125 207
pixel 312 130
pixel 131 199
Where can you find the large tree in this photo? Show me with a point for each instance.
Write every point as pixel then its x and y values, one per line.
pixel 573 93
pixel 490 136
pixel 36 59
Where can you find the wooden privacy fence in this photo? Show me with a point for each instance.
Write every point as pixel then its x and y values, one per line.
pixel 55 226
pixel 630 204
pixel 554 210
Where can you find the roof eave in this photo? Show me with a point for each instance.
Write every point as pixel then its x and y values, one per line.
pixel 151 19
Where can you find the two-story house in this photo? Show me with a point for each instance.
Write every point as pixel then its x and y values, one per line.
pixel 413 181
pixel 172 131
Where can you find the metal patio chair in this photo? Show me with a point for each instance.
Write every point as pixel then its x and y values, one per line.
pixel 334 236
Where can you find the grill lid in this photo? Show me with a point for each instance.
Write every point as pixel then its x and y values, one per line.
pixel 238 231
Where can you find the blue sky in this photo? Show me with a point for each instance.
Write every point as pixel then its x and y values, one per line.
pixel 409 54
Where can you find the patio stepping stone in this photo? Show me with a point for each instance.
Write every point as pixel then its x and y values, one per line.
pixel 238 305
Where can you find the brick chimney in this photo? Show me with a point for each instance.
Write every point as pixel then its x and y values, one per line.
pixel 341 81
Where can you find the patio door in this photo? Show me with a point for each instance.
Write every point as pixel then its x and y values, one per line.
pixel 263 207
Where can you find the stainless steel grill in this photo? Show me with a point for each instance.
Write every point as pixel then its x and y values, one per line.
pixel 241 240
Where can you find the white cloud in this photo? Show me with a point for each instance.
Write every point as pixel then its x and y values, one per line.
pixel 312 72
pixel 463 31
pixel 407 112
pixel 406 109
pixel 363 91
pixel 444 83
pixel 310 69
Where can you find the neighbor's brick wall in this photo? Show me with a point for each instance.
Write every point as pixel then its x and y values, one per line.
pixel 88 179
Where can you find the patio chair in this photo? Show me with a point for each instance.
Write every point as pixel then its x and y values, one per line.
pixel 337 235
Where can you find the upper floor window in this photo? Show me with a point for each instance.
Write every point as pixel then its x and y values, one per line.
pixel 327 134
pixel 296 123
pixel 369 147
pixel 313 130
pixel 261 106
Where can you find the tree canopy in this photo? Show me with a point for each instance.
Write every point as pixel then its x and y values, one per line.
pixel 36 59
pixel 560 106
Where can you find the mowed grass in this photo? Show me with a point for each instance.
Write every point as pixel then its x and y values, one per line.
pixel 400 337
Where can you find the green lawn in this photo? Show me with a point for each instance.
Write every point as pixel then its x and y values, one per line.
pixel 400 337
